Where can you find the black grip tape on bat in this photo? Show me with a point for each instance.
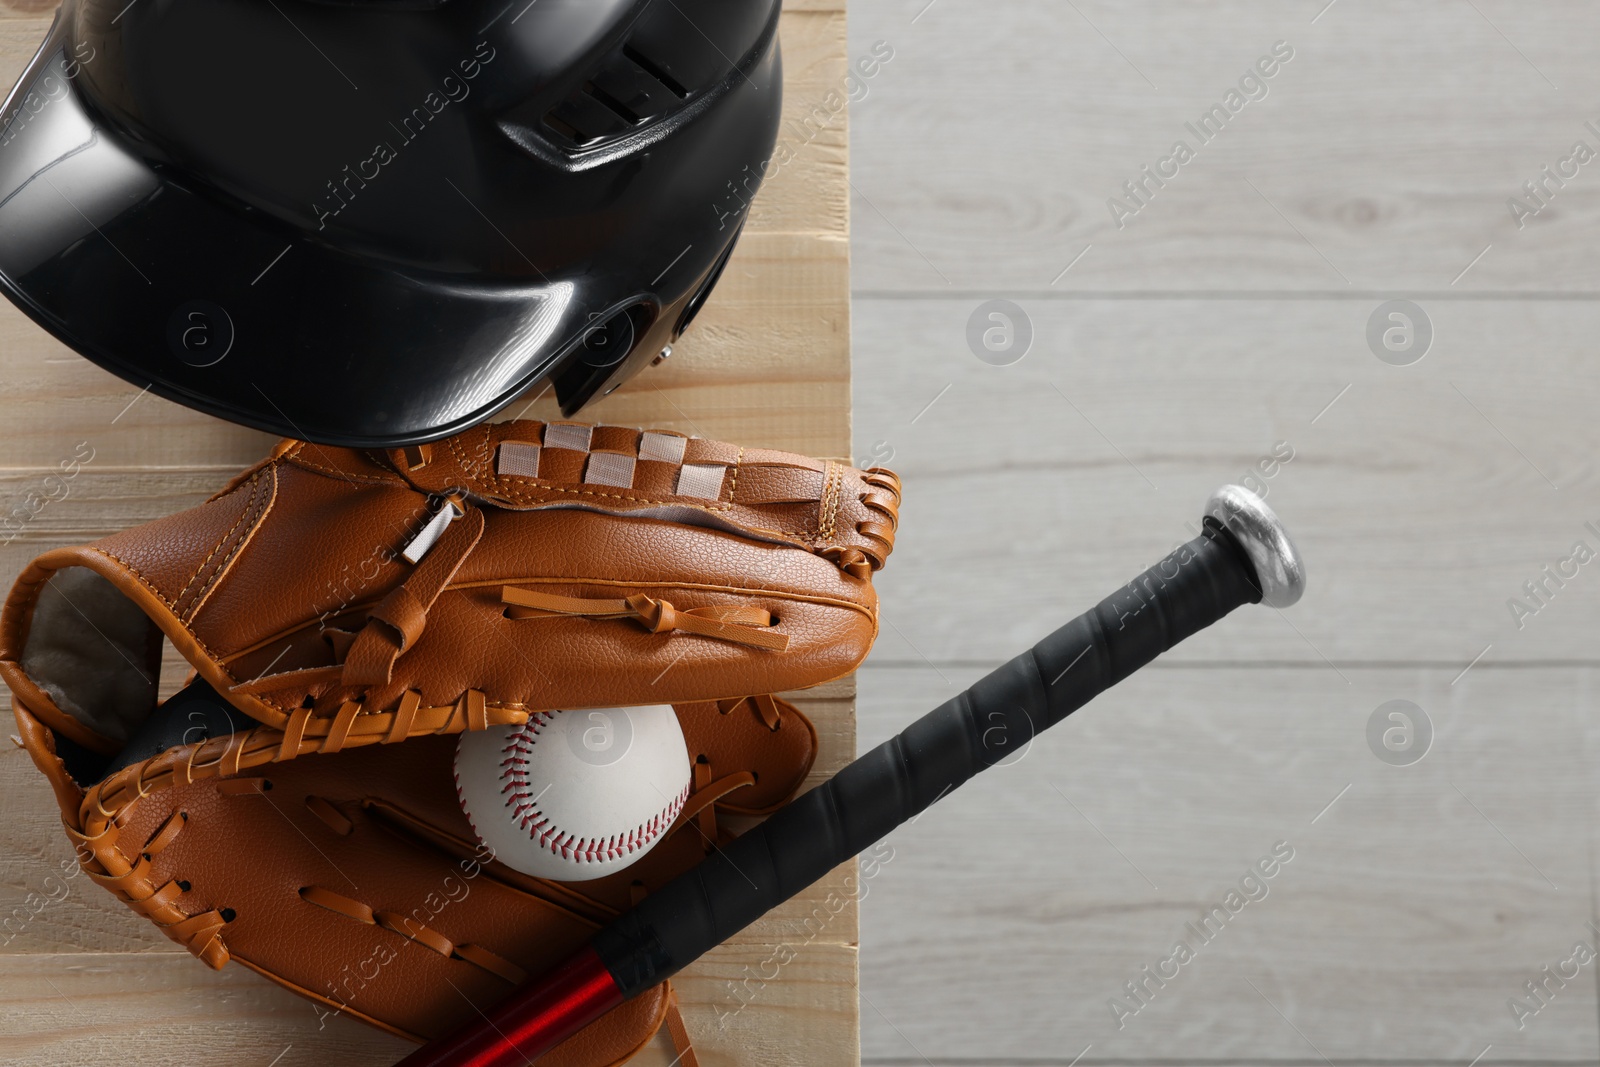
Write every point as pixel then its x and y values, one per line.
pixel 1193 587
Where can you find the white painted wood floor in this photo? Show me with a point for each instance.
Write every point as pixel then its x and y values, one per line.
pixel 1227 314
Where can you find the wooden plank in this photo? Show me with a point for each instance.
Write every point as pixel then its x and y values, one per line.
pixel 1033 490
pixel 807 188
pixel 30 17
pixel 767 364
pixel 1393 155
pixel 138 1009
pixel 805 1014
pixel 1391 143
pixel 84 1008
pixel 1419 900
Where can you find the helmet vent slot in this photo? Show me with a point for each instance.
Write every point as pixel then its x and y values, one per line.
pixel 654 69
pixel 626 92
pixel 612 104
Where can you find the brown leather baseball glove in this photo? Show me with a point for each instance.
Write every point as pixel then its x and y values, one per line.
pixel 340 602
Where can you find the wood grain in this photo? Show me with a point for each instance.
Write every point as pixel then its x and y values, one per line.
pixel 1390 142
pixel 1169 356
pixel 147 1009
pixel 767 364
pixel 1420 497
pixel 1415 905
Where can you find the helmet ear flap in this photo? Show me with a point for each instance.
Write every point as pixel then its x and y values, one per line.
pixel 602 358
pixel 613 350
pixel 713 276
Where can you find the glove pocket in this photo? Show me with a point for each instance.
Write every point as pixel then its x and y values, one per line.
pixel 350 879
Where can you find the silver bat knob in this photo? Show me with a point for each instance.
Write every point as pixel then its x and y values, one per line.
pixel 1264 540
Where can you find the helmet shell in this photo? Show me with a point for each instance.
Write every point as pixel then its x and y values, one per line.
pixel 375 222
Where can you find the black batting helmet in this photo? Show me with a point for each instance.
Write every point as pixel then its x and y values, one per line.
pixel 375 222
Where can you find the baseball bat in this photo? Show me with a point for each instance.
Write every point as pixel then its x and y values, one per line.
pixel 1242 556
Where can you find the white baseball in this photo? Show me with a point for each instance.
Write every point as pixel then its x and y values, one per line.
pixel 574 795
